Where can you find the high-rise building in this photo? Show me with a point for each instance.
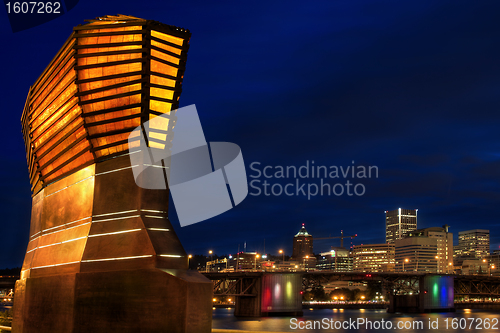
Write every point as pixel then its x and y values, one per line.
pixel 338 259
pixel 302 244
pixel 374 258
pixel 417 254
pixel 444 250
pixel 472 244
pixel 398 222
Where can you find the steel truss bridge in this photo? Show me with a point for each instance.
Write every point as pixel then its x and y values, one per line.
pixel 243 283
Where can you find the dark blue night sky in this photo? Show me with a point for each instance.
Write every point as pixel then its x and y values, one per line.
pixel 411 87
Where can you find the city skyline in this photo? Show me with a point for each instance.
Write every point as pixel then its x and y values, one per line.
pixel 454 236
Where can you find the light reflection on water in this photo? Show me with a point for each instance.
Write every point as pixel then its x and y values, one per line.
pixel 224 319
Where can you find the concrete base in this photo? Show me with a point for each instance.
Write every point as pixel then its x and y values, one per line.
pixel 147 300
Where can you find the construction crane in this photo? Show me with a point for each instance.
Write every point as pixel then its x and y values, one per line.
pixel 341 237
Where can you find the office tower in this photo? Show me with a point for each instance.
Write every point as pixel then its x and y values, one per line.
pixel 444 243
pixel 102 254
pixel 416 254
pixel 398 222
pixel 302 244
pixel 338 259
pixel 472 244
pixel 374 258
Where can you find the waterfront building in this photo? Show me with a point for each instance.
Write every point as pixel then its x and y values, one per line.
pixel 474 267
pixel 338 259
pixel 248 261
pixel 374 258
pixel 444 254
pixel 472 244
pixel 416 254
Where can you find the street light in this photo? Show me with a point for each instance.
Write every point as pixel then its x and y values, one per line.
pixel 189 257
pixel 306 257
pixel 331 257
pixel 437 267
pixel 255 265
pixel 209 252
pixel 406 260
pixel 491 267
pixel 283 252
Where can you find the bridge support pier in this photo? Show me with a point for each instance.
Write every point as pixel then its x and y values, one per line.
pixel 276 294
pixel 259 294
pixel 435 294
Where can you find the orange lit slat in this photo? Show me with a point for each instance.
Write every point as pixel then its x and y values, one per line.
pixel 162 93
pixel 84 61
pixel 67 128
pixel 84 159
pixel 159 67
pixel 95 50
pixel 109 140
pixel 108 70
pixel 53 124
pixel 54 92
pixel 117 38
pixel 111 115
pixel 98 130
pixel 60 100
pixel 160 106
pixel 111 92
pixel 41 81
pixel 162 81
pixel 165 56
pixel 68 166
pixel 166 47
pixel 113 29
pixel 98 84
pixel 57 74
pixel 112 103
pixel 78 134
pixel 168 38
pixel 82 145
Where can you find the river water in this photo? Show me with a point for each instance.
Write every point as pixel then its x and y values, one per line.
pixel 340 320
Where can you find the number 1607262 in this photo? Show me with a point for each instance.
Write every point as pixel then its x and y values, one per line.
pixel 471 323
pixel 33 7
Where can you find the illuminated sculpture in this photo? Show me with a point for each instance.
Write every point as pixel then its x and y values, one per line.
pixel 102 255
